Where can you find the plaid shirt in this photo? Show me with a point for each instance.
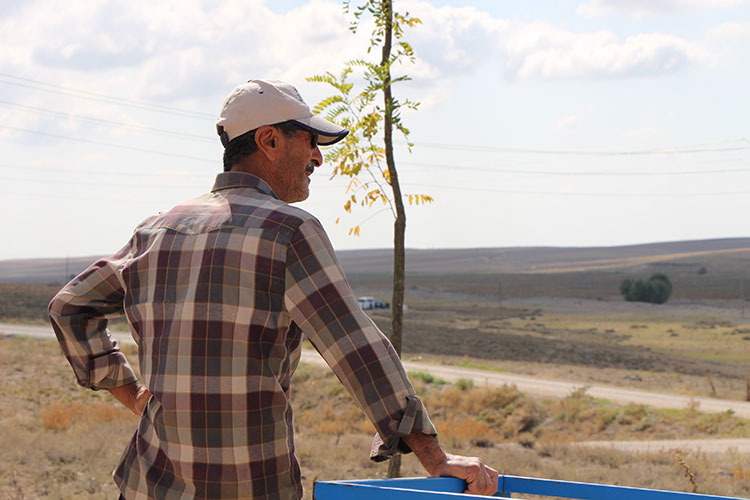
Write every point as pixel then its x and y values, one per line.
pixel 218 292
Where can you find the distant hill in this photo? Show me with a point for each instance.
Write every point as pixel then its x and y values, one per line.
pixel 730 255
pixel 541 259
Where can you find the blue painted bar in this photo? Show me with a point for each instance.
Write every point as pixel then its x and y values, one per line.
pixel 343 490
pixel 448 488
pixel 439 484
pixel 591 491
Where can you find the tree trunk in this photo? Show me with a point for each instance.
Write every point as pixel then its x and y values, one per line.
pixel 399 226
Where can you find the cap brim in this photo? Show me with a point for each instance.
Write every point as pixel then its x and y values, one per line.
pixel 328 132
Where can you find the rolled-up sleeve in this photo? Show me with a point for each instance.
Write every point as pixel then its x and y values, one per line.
pixel 321 302
pixel 79 315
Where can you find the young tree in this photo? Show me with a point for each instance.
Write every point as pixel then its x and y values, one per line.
pixel 360 155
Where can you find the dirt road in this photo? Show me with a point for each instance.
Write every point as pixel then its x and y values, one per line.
pixel 538 387
pixel 741 446
pixel 533 385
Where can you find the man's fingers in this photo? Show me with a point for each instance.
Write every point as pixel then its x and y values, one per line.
pixel 478 485
pixel 493 479
pixel 484 482
pixel 480 479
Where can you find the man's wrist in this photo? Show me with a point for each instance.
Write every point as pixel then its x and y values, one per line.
pixel 428 450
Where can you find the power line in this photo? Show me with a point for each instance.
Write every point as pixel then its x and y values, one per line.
pixel 564 193
pixel 108 144
pixel 502 170
pixel 85 94
pixel 182 135
pixel 109 200
pixel 35 168
pixel 432 165
pixel 92 96
pixel 417 186
pixel 562 152
pixel 103 184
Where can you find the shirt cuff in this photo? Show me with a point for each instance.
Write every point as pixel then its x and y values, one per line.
pixel 414 421
pixel 109 370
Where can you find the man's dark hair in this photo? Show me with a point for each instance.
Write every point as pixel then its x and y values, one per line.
pixel 245 145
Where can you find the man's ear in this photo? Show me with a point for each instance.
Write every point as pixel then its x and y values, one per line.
pixel 267 140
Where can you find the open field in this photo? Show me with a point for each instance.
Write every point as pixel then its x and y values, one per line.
pixel 687 349
pixel 700 270
pixel 693 347
pixel 553 313
pixel 54 430
pixel 466 372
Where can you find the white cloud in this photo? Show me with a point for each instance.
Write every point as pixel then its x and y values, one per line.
pixel 460 39
pixel 189 52
pixel 728 44
pixel 640 9
pixel 541 50
pixel 642 133
pixel 567 122
pixel 452 38
pixel 731 32
pixel 173 50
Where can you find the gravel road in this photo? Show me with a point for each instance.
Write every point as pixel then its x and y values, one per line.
pixel 537 386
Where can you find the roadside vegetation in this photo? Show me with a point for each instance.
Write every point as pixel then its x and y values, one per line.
pixel 61 441
pixel 28 303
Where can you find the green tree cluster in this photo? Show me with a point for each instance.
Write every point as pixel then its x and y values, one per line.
pixel 656 290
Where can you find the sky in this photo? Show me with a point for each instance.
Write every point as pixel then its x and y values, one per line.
pixel 541 123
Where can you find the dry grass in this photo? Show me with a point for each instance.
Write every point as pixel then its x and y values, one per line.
pixel 699 337
pixel 677 383
pixel 60 441
pixel 29 302
pixel 60 415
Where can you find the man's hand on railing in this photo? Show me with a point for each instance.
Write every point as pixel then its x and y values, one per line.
pixel 480 478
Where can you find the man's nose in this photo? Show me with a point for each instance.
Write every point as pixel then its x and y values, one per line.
pixel 317 157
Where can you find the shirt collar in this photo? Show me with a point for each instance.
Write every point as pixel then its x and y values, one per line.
pixel 227 180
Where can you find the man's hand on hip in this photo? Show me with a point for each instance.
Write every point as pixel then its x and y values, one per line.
pixel 133 396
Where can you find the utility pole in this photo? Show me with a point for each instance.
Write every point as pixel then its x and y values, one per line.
pixel 742 298
pixel 499 296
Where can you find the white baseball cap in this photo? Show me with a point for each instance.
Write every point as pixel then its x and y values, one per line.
pixel 267 102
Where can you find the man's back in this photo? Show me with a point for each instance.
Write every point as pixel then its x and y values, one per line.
pixel 204 294
pixel 218 292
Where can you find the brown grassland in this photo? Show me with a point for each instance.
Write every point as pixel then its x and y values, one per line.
pixel 60 441
pixel 559 317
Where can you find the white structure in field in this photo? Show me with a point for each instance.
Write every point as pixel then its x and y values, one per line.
pixel 366 302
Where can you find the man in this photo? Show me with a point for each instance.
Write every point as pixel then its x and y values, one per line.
pixel 218 292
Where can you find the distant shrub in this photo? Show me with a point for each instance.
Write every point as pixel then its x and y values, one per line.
pixel 656 290
pixel 465 384
pixel 702 270
pixel 427 378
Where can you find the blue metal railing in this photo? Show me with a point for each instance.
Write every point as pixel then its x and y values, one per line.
pixel 445 488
